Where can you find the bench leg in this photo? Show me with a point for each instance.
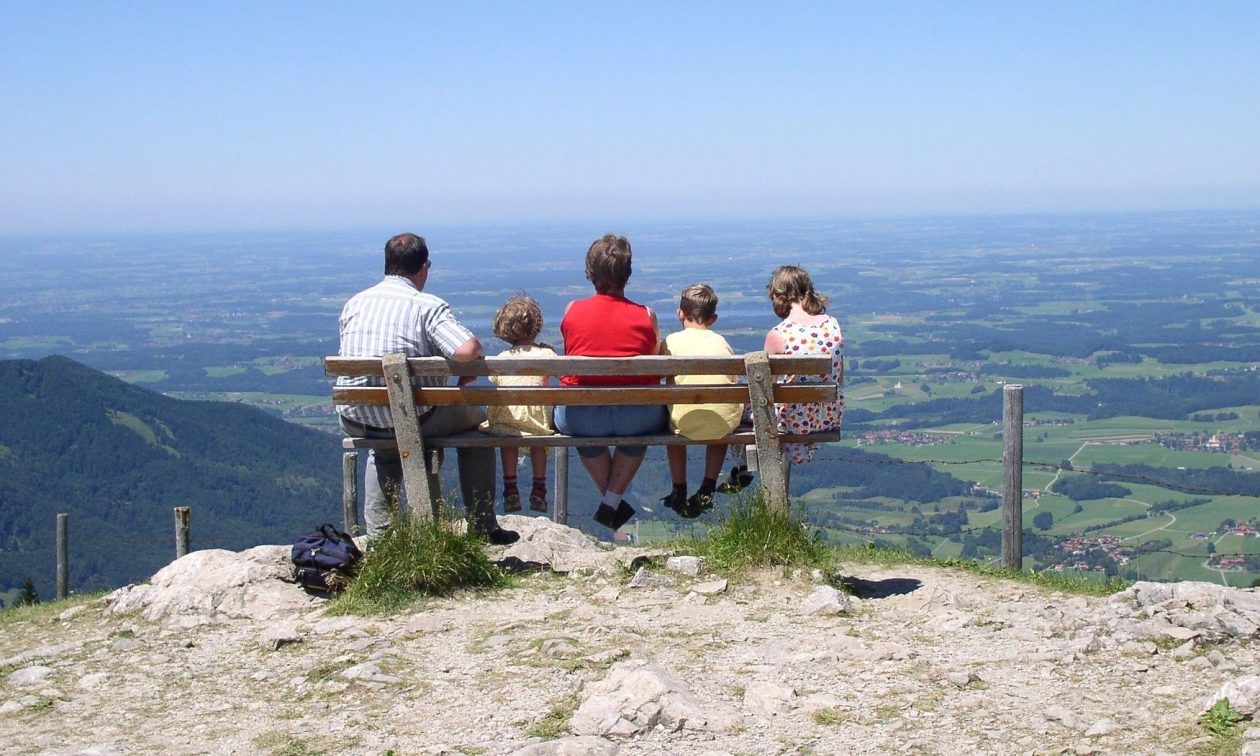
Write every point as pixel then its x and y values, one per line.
pixel 561 495
pixel 350 491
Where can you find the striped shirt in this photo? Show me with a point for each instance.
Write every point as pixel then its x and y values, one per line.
pixel 393 316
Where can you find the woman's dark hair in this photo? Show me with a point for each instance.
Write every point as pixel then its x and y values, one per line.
pixel 791 284
pixel 608 263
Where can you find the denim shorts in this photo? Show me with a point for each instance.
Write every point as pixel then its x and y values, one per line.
pixel 611 420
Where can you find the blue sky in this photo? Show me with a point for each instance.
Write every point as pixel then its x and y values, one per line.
pixel 135 116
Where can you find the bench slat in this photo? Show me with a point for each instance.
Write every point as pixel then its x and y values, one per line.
pixel 478 440
pixel 575 395
pixel 650 365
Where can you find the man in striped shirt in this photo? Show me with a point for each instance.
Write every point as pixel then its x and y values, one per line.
pixel 396 315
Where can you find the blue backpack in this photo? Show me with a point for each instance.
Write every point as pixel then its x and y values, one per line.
pixel 324 561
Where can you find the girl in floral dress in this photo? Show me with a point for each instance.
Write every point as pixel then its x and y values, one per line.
pixel 806 329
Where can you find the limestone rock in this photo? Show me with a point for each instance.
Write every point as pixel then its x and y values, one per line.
pixel 215 585
pixel 583 745
pixel 29 676
pixel 764 697
pixel 278 635
pixel 710 587
pixel 824 600
pixel 637 696
pixel 685 565
pixel 646 578
pixel 1243 694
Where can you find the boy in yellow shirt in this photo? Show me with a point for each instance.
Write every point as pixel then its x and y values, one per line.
pixel 697 311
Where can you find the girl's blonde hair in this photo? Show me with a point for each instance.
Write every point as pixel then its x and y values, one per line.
pixel 519 320
pixel 791 284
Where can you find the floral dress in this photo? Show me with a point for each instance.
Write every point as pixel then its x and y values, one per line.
pixel 822 338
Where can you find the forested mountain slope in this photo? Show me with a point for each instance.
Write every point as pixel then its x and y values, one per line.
pixel 117 458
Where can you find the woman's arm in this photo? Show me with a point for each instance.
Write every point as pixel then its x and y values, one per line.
pixel 774 343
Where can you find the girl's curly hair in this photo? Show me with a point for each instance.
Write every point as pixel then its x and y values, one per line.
pixel 519 320
pixel 792 284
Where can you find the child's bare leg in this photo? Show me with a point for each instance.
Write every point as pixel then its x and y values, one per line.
pixel 714 454
pixel 511 496
pixel 677 456
pixel 538 492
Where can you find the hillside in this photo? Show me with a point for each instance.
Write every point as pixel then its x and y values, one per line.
pixel 117 458
pixel 221 655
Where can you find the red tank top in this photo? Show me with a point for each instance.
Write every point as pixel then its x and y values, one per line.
pixel 608 326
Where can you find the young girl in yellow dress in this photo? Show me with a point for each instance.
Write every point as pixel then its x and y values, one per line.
pixel 518 322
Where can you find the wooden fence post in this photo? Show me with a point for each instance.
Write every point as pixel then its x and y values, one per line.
pixel 182 517
pixel 63 555
pixel 350 491
pixel 765 426
pixel 402 406
pixel 1013 477
pixel 561 495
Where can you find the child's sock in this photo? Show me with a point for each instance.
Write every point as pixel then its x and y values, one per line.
pixel 613 498
pixel 707 486
pixel 540 487
pixel 509 486
pixel 680 488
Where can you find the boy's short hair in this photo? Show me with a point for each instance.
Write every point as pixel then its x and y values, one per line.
pixel 698 303
pixel 792 284
pixel 519 320
pixel 608 263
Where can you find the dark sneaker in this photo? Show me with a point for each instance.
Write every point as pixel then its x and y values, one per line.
pixel 502 537
pixel 739 480
pixel 675 501
pixel 511 502
pixel 606 516
pixel 537 503
pixel 625 513
pixel 701 500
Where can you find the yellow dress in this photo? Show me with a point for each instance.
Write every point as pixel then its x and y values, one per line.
pixel 702 422
pixel 520 420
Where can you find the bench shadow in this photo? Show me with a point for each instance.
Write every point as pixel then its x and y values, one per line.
pixel 515 565
pixel 878 589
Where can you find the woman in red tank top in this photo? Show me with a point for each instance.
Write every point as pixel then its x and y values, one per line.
pixel 609 325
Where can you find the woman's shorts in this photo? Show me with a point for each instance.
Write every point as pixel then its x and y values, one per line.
pixel 611 420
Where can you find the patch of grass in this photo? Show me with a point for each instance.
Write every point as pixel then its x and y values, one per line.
pixel 45 611
pixel 415 559
pixel 1224 724
pixel 830 716
pixel 555 724
pixel 754 534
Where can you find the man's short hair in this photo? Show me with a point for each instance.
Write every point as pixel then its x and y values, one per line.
pixel 608 263
pixel 405 255
pixel 698 303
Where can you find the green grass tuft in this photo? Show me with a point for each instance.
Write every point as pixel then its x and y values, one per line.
pixel 753 534
pixel 415 559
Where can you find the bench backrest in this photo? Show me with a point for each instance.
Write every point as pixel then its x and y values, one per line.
pixel 758 367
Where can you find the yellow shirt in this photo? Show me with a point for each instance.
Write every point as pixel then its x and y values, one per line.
pixel 702 422
pixel 520 420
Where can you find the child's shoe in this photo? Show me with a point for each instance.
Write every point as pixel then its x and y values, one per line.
pixel 676 500
pixel 613 519
pixel 537 503
pixel 739 480
pixel 700 501
pixel 512 502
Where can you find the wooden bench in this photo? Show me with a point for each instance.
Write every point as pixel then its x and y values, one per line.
pixel 760 392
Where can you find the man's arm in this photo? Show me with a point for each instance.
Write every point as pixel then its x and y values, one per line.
pixel 468 351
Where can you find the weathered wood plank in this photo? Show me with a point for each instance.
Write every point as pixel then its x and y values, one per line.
pixel 481 440
pixel 402 407
pixel 763 393
pixel 502 395
pixel 664 365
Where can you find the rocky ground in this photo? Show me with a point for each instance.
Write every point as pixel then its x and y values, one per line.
pixel 220 654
